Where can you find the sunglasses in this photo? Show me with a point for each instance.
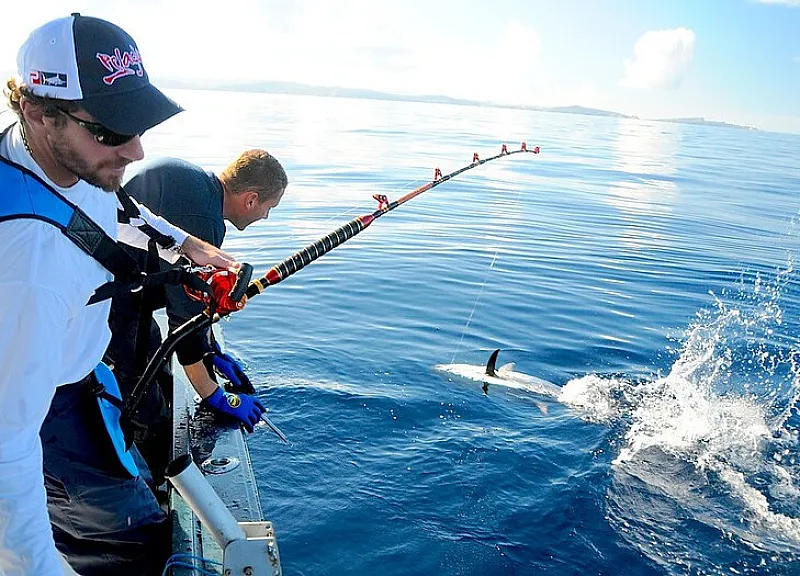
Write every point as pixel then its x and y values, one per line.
pixel 101 134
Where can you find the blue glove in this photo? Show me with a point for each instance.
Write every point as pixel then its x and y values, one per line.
pixel 244 408
pixel 228 367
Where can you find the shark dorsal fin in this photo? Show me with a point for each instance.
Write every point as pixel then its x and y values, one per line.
pixel 491 365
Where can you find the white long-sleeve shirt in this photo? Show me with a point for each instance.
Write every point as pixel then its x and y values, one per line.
pixel 48 337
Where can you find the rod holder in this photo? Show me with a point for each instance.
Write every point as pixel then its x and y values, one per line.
pixel 248 548
pixel 193 487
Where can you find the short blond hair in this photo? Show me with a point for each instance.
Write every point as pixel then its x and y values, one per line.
pixel 256 170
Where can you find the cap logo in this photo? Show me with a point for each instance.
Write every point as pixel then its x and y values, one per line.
pixel 121 64
pixel 56 79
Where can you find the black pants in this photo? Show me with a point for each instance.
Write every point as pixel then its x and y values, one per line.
pixel 104 521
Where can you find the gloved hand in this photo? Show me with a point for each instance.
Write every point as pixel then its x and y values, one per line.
pixel 228 367
pixel 243 407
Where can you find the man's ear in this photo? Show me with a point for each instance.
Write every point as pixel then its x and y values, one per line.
pixel 33 114
pixel 250 199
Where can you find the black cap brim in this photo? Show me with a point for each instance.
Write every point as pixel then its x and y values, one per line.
pixel 131 112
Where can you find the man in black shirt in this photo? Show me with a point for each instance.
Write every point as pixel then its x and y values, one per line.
pixel 199 202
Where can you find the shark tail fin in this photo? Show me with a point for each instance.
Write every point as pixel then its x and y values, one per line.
pixel 491 365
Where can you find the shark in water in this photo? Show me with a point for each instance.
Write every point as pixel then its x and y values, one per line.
pixel 504 376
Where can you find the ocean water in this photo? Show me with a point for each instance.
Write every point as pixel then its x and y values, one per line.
pixel 646 269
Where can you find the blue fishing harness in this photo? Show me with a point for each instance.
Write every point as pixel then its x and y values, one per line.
pixel 25 195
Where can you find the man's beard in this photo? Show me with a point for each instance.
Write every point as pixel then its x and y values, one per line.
pixel 73 162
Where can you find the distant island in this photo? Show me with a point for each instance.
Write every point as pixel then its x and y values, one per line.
pixel 580 110
pixel 704 122
pixel 275 87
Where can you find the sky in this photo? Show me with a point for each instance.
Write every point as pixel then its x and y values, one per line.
pixel 736 61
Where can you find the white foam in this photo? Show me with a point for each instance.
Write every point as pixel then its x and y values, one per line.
pixel 714 415
pixel 593 396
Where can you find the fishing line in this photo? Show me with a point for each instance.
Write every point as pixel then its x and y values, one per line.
pixel 480 294
pixel 474 306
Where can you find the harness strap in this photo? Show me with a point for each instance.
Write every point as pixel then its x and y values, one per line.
pixel 146 307
pixel 103 385
pixel 88 235
pixel 176 276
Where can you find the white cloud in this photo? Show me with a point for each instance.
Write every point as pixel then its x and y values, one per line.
pixel 661 58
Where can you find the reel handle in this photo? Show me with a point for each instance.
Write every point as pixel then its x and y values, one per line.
pixel 242 282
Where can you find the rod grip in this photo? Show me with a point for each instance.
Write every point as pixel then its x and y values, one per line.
pixel 307 255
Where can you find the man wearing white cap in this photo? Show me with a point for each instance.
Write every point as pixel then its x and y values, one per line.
pixel 83 99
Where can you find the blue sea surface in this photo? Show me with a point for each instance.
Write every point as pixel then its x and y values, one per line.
pixel 645 268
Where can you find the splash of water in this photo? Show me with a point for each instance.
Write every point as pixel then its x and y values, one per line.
pixel 723 412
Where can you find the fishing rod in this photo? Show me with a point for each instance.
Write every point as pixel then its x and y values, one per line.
pixel 227 292
pixel 307 255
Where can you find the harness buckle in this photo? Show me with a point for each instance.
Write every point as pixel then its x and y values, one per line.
pixel 93 385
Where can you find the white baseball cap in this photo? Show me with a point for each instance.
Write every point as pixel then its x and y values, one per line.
pixel 98 65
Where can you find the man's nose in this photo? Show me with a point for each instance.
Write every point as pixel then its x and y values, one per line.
pixel 132 149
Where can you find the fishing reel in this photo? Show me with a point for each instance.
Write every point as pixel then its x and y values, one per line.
pixel 220 289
